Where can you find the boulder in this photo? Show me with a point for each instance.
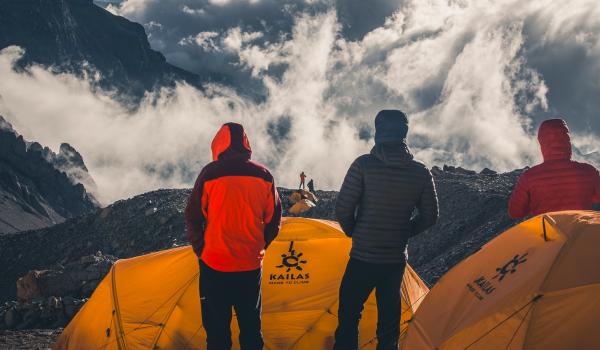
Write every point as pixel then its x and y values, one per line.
pixel 301 207
pixel 76 279
pixel 488 172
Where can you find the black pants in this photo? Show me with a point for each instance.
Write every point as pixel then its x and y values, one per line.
pixel 358 282
pixel 219 292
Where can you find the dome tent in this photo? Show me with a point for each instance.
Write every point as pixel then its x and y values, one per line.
pixel 152 301
pixel 536 286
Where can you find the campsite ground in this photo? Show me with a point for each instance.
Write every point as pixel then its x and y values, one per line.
pixel 28 339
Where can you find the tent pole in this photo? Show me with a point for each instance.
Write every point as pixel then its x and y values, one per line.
pixel 544 228
pixel 120 335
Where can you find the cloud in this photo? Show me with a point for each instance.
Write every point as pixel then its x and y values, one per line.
pixel 476 78
pixel 560 42
pixel 167 139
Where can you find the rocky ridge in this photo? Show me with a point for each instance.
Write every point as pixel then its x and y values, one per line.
pixel 472 206
pixel 39 188
pixel 79 37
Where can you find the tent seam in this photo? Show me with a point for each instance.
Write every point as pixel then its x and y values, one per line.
pixel 327 311
pixel 554 263
pixel 119 323
pixel 168 316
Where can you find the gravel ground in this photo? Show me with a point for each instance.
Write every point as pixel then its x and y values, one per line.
pixel 28 339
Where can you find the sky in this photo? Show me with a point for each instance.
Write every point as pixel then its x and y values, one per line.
pixel 306 78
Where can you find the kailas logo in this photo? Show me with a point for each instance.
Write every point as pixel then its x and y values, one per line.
pixel 510 267
pixel 483 286
pixel 291 260
pixel 291 263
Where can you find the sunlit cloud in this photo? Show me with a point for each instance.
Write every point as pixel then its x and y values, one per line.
pixel 475 78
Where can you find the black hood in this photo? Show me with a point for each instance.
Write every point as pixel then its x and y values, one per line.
pixel 393 154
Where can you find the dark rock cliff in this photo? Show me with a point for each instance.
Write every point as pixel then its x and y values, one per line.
pixel 79 37
pixel 34 191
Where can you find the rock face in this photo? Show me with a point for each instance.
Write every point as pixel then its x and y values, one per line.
pixel 77 36
pixel 51 312
pixel 473 210
pixel 77 279
pixel 145 223
pixel 70 162
pixel 30 339
pixel 50 298
pixel 34 193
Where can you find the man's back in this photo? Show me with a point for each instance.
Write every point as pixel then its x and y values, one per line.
pixel 555 185
pixel 558 183
pixel 386 186
pixel 234 210
pixel 237 199
pixel 375 206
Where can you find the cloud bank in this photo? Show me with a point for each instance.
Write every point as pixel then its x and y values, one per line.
pixel 476 78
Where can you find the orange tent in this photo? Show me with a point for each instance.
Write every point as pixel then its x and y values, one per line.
pixel 152 302
pixel 536 286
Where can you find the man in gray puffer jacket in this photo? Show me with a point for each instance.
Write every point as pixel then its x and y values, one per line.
pixel 375 207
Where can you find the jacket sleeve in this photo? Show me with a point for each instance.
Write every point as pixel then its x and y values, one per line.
pixel 195 221
pixel 349 198
pixel 427 206
pixel 273 217
pixel 518 205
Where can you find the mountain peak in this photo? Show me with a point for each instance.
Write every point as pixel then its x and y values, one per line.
pixel 76 36
pixel 39 188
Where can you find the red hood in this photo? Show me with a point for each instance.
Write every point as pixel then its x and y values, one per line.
pixel 555 140
pixel 231 140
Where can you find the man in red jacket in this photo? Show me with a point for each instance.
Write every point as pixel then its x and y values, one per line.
pixel 232 215
pixel 558 183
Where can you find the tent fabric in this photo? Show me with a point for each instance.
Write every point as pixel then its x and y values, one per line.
pixel 152 302
pixel 299 195
pixel 301 207
pixel 536 286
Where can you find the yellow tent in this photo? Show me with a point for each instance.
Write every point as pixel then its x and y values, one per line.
pixel 302 206
pixel 151 301
pixel 536 286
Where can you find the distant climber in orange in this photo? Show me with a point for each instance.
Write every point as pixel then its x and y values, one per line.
pixel 558 183
pixel 232 215
pixel 302 181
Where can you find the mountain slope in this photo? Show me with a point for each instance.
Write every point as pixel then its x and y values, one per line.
pixel 33 192
pixel 76 35
pixel 473 210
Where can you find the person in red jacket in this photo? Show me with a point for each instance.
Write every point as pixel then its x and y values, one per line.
pixel 302 180
pixel 559 183
pixel 232 215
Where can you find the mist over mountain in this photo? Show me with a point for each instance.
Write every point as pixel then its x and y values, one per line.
pixel 75 36
pixel 35 191
pixel 306 78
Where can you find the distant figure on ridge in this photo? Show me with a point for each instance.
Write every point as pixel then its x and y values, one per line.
pixel 311 186
pixel 302 180
pixel 375 207
pixel 558 183
pixel 232 215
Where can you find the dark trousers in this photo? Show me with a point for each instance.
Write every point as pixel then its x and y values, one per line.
pixel 222 291
pixel 358 282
